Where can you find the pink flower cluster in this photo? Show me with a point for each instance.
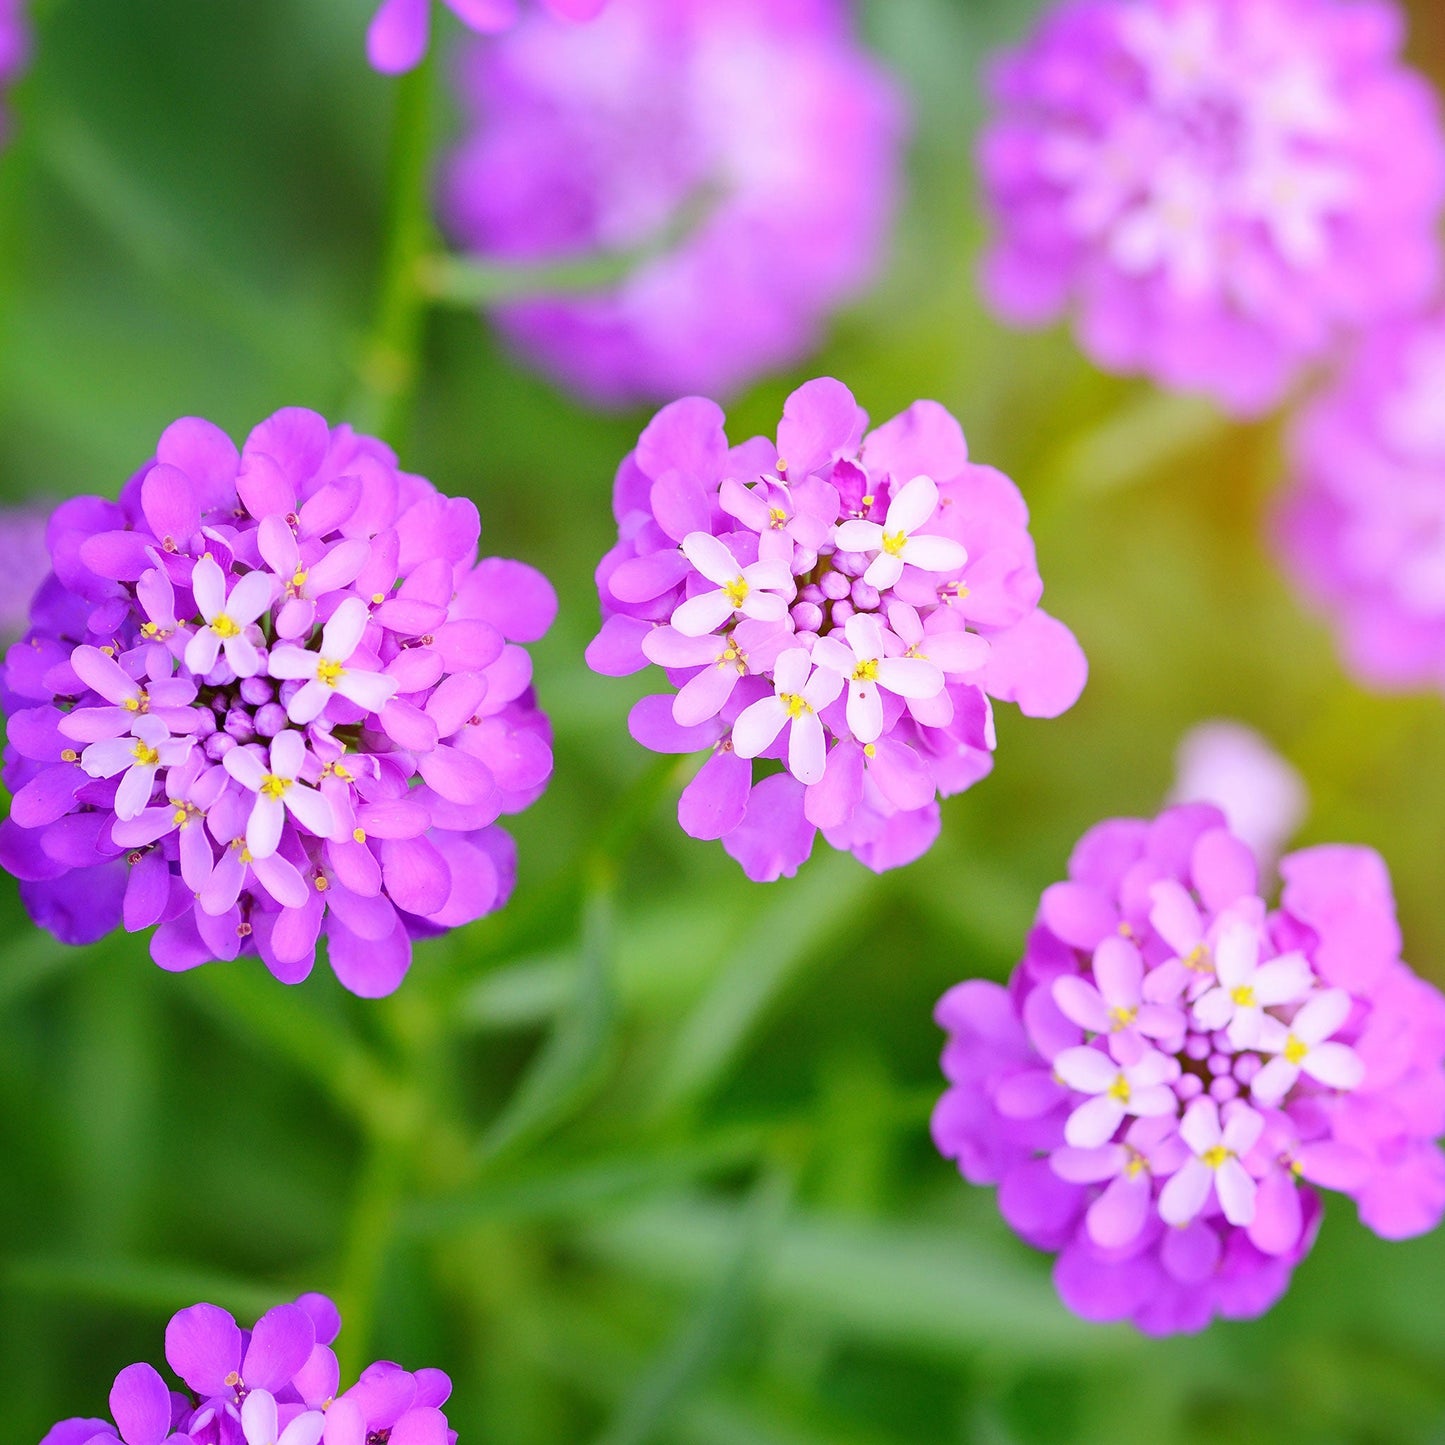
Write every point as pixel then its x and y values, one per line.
pixel 400 31
pixel 275 1384
pixel 1173 1067
pixel 1215 187
pixel 271 695
pixel 843 605
pixel 14 51
pixel 746 152
pixel 1363 526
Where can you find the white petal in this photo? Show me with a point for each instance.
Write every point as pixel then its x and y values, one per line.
pixel 263 830
pixel 1200 1126
pixel 807 751
pixel 242 655
pixel 884 570
pixel 258 1418
pixel 910 677
pixel 289 661
pixel 703 696
pixel 1283 980
pixel 859 536
pixel 764 607
pixel 1086 1069
pixel 342 634
pixel 1088 1166
pixel 1153 1101
pixel 1185 1192
pixel 1236 1191
pixel 1322 1015
pixel 769 576
pixel 1236 951
pixel 250 597
pixel 107 758
pixel 668 647
pixel 865 636
pixel 790 671
pixel 865 712
pixel 135 790
pixel 1273 1081
pixel 913 505
pixel 710 557
pixel 822 688
pixel 202 651
pixel 830 653
pixel 1213 1010
pixel 309 703
pixel 1093 1123
pixel 757 726
pixel 208 583
pixel 1334 1065
pixel 934 554
pixel 702 614
pixel 1242 1127
pixel 368 690
pixel 1081 1003
pixel 288 754
pixel 1244 1028
pixel 246 766
pixel 104 674
pixel 310 809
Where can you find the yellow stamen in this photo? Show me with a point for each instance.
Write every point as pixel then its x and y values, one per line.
pixel 1216 1156
pixel 796 704
pixel 131 704
pixel 737 591
pixel 1243 996
pixel 1120 1090
pixel 180 817
pixel 1136 1164
pixel 322 883
pixel 870 750
pixel 69 755
pixel 866 671
pixel 223 626
pixel 359 834
pixel 377 598
pixel 144 754
pixel 329 673
pixel 894 543
pixel 777 518
pixel 273 786
pixel 869 500
pixel 149 629
pixel 1121 1018
pixel 1295 1048
pixel 1197 959
pixel 298 577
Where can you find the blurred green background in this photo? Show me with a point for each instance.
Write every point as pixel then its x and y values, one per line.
pixel 645 1157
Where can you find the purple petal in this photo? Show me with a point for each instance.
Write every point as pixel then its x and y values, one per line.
pixel 416 875
pixel 203 1346
pixel 140 1405
pixel 774 839
pixel 398 35
pixel 715 801
pixel 280 1344
pixel 369 968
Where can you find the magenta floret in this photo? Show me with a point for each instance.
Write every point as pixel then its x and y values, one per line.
pixel 400 31
pixel 14 52
pixel 1363 527
pixel 269 696
pixel 1174 1069
pixel 748 152
pixel 1214 188
pixel 843 605
pixel 277 1383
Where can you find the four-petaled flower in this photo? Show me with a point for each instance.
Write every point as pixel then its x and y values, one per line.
pixel 897 540
pixel 325 671
pixel 801 691
pixel 149 748
pixel 1214 1164
pixel 1140 1088
pixel 1247 987
pixel 278 791
pixel 226 618
pixel 1303 1046
pixel 754 591
pixel 865 668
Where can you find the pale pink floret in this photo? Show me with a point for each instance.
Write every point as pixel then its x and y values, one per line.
pixel 1113 1004
pixel 750 647
pixel 862 665
pixel 1247 987
pixel 260 1422
pixel 149 748
pixel 337 566
pixel 760 591
pixel 167 697
pixel 278 792
pixel 798 698
pixel 1150 1149
pixel 1215 1164
pixel 1300 1047
pixel 896 542
pixel 325 672
pixel 1140 1089
pixel 227 619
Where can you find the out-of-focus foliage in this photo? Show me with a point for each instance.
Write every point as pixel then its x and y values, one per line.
pixel 645 1157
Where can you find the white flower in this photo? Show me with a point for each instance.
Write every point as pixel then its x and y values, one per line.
pixel 1215 1164
pixel 894 541
pixel 750 591
pixel 797 698
pixel 227 618
pixel 1246 987
pixel 149 748
pixel 260 1422
pixel 326 672
pixel 863 666
pixel 278 792
pixel 1140 1089
pixel 1299 1048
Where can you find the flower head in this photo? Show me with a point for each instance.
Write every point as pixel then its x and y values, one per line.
pixel 747 153
pixel 400 31
pixel 1363 527
pixel 844 605
pixel 1168 1151
pixel 271 696
pixel 276 1384
pixel 1215 187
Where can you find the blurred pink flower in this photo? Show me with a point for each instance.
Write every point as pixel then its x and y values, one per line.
pixel 400 31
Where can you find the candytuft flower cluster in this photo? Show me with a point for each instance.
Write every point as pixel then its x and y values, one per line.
pixel 1215 187
pixel 1363 525
pixel 747 152
pixel 271 696
pixel 277 1383
pixel 400 31
pixel 1174 1067
pixel 842 605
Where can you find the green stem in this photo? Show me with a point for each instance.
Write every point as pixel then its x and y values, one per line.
pixel 390 359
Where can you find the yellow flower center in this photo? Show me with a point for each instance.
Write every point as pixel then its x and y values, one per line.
pixel 223 626
pixel 131 704
pixel 1136 1164
pixel 1119 1089
pixel 1295 1048
pixel 149 629
pixel 274 787
pixel 737 591
pixel 894 543
pixel 796 704
pixel 1243 996
pixel 298 578
pixel 144 754
pixel 328 673
pixel 866 671
pixel 731 656
pixel 1216 1156
pixel 1197 959
pixel 870 750
pixel 777 517
pixel 1121 1018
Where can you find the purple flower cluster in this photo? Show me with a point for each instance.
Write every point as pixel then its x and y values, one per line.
pixel 748 150
pixel 275 1384
pixel 400 31
pixel 1215 187
pixel 1173 1066
pixel 1363 527
pixel 842 605
pixel 270 695
pixel 24 565
pixel 14 51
